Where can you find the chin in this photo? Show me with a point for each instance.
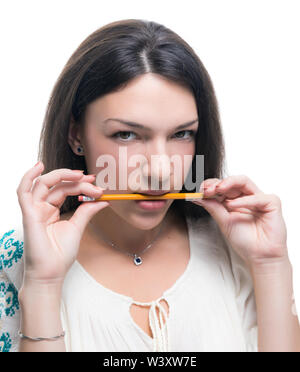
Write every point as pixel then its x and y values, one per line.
pixel 141 219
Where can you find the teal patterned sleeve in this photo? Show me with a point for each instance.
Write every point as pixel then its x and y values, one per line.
pixel 11 274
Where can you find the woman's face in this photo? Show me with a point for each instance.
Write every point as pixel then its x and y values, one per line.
pixel 160 106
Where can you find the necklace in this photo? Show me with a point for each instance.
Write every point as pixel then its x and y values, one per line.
pixel 136 257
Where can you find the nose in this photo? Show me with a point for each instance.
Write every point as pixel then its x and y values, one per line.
pixel 158 168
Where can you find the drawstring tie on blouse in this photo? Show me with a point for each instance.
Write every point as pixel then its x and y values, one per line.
pixel 160 335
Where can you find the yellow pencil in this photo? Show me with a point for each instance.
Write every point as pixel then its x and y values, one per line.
pixel 189 195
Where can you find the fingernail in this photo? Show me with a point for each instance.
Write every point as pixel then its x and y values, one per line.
pixel 78 171
pixel 37 164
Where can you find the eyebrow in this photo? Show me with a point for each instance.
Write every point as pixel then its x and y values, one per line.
pixel 141 126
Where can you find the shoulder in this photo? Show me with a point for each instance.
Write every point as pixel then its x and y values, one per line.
pixel 11 254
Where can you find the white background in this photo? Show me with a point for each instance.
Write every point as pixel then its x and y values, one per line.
pixel 250 49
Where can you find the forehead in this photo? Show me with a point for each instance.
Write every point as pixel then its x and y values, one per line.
pixel 147 99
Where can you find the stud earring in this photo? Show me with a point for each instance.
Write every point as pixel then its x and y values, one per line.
pixel 80 149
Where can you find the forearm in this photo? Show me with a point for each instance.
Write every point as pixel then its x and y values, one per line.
pixel 40 317
pixel 278 325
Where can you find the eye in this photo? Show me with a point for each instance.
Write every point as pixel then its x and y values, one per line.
pixel 191 133
pixel 125 133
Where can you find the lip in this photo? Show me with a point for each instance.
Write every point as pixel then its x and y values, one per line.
pixel 151 205
pixel 154 193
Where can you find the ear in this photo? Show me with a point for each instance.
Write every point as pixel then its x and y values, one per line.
pixel 74 137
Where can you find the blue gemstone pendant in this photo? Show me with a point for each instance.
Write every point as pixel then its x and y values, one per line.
pixel 137 260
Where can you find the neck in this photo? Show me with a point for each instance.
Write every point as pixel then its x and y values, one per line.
pixel 127 237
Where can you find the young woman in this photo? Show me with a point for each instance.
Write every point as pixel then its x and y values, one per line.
pixel 213 274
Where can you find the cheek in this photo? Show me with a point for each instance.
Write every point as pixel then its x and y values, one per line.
pixel 98 147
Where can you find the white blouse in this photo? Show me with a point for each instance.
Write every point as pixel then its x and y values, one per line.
pixel 211 305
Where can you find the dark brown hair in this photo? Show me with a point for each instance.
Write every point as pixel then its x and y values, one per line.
pixel 104 62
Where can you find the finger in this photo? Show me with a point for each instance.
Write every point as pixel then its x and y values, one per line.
pixel 205 185
pixel 213 191
pixel 85 178
pixel 221 213
pixel 208 182
pixel 237 184
pixel 85 212
pixel 257 202
pixel 42 185
pixel 216 209
pixel 208 188
pixel 23 190
pixel 59 193
pixel 27 180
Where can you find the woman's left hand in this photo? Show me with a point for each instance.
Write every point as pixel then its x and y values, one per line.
pixel 250 220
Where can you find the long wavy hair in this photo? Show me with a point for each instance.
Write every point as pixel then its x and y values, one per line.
pixel 105 62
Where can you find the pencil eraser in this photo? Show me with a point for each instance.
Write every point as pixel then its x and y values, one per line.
pixel 85 198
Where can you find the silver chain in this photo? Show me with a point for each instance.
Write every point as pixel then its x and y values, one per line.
pixel 136 257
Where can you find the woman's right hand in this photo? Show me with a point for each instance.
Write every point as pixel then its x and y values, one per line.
pixel 50 244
